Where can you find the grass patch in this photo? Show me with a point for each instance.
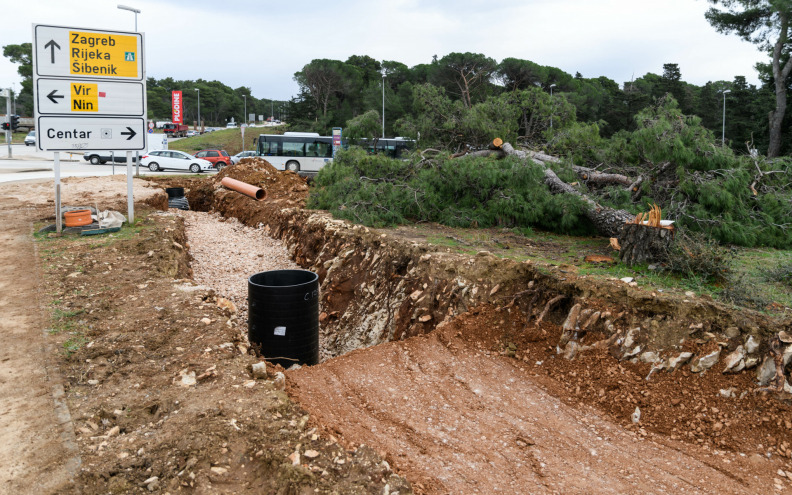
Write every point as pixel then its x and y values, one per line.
pixel 224 139
pixel 74 343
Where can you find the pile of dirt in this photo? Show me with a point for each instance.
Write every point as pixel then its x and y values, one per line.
pixel 284 188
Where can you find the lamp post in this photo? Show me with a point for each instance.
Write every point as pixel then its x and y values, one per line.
pixel 383 102
pixel 551 103
pixel 244 117
pixel 131 9
pixel 200 127
pixel 723 132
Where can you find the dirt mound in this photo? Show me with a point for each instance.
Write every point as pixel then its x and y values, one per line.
pixel 284 188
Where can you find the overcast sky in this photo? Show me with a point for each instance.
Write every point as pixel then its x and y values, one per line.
pixel 262 43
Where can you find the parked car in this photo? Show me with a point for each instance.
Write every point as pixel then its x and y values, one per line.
pixel 97 157
pixel 231 125
pixel 241 155
pixel 192 133
pixel 173 159
pixel 30 139
pixel 219 158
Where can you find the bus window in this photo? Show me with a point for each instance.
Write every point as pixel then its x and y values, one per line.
pixel 293 149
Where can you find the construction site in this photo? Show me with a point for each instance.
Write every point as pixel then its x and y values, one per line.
pixel 467 361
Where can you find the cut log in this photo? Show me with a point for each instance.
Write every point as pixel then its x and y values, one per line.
pixel 593 176
pixel 644 244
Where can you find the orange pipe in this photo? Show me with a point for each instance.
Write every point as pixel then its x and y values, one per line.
pixel 254 192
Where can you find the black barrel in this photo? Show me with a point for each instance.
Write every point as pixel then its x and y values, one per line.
pixel 175 192
pixel 283 316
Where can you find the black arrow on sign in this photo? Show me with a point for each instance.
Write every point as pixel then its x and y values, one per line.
pixel 131 133
pixel 52 96
pixel 52 45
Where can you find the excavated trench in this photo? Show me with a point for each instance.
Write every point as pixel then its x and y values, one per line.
pixel 468 389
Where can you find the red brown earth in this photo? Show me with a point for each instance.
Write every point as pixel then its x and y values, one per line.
pixel 480 403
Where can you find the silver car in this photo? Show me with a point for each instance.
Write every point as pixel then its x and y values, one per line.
pixel 172 159
pixel 30 139
pixel 242 154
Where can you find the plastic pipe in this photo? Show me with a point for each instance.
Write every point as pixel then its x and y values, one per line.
pixel 254 192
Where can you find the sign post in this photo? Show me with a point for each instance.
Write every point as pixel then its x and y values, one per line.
pixel 90 93
pixel 336 140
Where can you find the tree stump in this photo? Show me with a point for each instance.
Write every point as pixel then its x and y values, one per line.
pixel 644 244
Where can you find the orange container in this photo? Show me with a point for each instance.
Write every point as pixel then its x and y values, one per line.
pixel 76 218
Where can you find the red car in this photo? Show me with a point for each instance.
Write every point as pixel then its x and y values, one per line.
pixel 219 158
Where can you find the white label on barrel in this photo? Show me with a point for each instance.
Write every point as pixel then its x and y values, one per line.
pixel 280 331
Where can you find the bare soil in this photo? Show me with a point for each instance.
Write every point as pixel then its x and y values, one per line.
pixel 436 376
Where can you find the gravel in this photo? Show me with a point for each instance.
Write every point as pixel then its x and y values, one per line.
pixel 226 253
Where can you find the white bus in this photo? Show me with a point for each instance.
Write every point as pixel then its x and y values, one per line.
pixel 296 151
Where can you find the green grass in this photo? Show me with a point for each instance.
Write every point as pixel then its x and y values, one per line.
pixel 224 139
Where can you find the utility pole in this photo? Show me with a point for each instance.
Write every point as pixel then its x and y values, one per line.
pixel 7 92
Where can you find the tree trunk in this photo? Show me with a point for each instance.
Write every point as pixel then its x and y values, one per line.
pixel 606 220
pixel 780 75
pixel 644 244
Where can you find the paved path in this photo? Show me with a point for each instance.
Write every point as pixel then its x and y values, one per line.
pixel 38 453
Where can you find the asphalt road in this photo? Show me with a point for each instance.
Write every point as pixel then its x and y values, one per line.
pixel 28 163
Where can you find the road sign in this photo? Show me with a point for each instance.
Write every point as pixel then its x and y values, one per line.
pixel 69 96
pixel 90 89
pixel 75 52
pixel 65 133
pixel 151 125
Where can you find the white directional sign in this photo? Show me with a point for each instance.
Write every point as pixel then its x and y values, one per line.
pixel 90 89
pixel 75 52
pixel 90 133
pixel 60 96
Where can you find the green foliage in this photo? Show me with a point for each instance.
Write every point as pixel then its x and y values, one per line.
pixel 364 126
pixel 467 192
pixel 697 257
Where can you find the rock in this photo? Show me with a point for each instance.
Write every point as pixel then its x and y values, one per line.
pixel 187 378
pixel 735 361
pixel 206 321
pixel 751 345
pixel 636 415
pixel 732 332
pixel 695 327
pixel 224 303
pixel 311 454
pixel 113 431
pixel 260 370
pixel 690 293
pixel 785 337
pixel 728 393
pixel 766 372
pixel 93 382
pixel 629 340
pixel 751 362
pixel 279 381
pixel 494 290
pixel 704 363
pixel 294 457
pixel 649 357
pixel 425 318
pixel 152 484
pixel 627 280
pixel 218 470
pixel 632 353
pixel 571 349
pixel 678 361
pixel 787 355
pixel 293 367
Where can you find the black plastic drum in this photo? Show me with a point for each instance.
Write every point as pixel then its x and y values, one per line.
pixel 283 316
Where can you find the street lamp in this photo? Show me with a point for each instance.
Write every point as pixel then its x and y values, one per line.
pixel 244 117
pixel 723 132
pixel 553 111
pixel 131 9
pixel 200 127
pixel 383 102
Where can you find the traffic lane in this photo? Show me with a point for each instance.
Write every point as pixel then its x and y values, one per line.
pixel 34 170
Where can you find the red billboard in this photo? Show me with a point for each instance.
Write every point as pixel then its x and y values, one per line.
pixel 176 99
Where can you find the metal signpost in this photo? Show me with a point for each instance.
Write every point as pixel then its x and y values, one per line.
pixel 336 140
pixel 89 94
